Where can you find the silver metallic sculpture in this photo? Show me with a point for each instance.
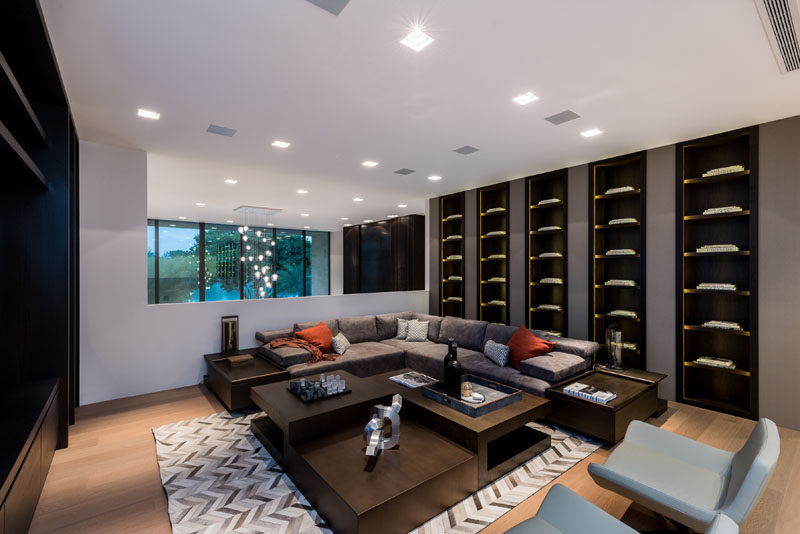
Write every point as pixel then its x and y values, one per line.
pixel 374 431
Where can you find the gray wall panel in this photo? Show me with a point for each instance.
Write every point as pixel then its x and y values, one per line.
pixel 518 232
pixel 578 251
pixel 433 255
pixel 471 254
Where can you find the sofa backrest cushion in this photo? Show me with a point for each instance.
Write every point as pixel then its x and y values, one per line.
pixel 330 323
pixel 359 329
pixel 434 323
pixel 386 323
pixel 499 333
pixel 467 333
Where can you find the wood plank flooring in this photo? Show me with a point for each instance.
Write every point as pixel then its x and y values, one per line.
pixel 108 481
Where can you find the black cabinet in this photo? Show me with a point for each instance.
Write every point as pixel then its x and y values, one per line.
pixel 385 255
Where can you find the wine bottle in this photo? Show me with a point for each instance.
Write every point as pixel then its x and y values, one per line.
pixel 452 372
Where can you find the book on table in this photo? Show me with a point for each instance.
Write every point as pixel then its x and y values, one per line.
pixel 413 379
pixel 588 392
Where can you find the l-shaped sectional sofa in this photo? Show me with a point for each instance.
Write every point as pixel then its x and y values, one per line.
pixel 374 349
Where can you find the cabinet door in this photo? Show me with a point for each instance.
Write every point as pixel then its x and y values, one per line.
pixel 49 433
pixel 376 266
pixel 24 493
pixel 351 259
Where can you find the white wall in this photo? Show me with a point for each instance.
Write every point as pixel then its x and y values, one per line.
pixel 129 347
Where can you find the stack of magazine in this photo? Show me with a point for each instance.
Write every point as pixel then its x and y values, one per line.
pixel 589 393
pixel 413 379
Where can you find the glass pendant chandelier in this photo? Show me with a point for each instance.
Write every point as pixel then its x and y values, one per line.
pixel 257 248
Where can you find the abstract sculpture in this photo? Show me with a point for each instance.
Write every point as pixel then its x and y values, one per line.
pixel 374 434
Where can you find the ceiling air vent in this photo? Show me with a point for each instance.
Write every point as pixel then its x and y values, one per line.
pixel 404 171
pixel 220 130
pixel 466 150
pixel 781 19
pixel 560 118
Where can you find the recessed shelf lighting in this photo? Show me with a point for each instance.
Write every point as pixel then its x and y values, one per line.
pixel 201 204
pixel 148 114
pixel 416 40
pixel 229 221
pixel 369 163
pixel 302 191
pixel 592 132
pixel 367 220
pixel 304 215
pixel 434 178
pixel 281 144
pixel 525 98
pixel 231 181
pixel 358 199
pixel 345 218
pixel 402 205
pixel 182 218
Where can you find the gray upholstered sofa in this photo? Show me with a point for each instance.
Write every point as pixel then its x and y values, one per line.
pixel 375 350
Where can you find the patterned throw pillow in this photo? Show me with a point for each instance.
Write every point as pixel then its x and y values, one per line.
pixel 340 343
pixel 402 328
pixel 494 351
pixel 417 330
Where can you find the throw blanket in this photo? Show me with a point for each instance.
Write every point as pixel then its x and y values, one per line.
pixel 316 354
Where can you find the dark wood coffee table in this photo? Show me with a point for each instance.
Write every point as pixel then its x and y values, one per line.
pixel 232 384
pixel 320 446
pixel 636 399
pixel 500 438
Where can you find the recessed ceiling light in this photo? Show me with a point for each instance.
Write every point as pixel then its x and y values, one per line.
pixel 592 132
pixel 281 144
pixel 304 215
pixel 182 218
pixel 525 98
pixel 231 181
pixel 417 40
pixel 229 221
pixel 369 163
pixel 348 224
pixel 345 218
pixel 367 220
pixel 358 199
pixel 392 216
pixel 201 204
pixel 434 178
pixel 270 224
pixel 306 227
pixel 402 205
pixel 148 114
pixel 302 191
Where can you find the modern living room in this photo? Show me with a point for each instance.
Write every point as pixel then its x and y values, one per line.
pixel 311 266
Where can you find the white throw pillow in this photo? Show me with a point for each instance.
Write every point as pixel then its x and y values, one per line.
pixel 417 330
pixel 340 343
pixel 402 328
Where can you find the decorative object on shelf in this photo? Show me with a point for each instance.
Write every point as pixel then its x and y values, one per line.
pixel 716 286
pixel 495 396
pixel 630 345
pixel 723 209
pixel 723 325
pixel 454 237
pixel 547 201
pixel 614 346
pixel 551 280
pixel 382 417
pixel 239 360
pixel 257 247
pixel 314 390
pixel 620 283
pixel 548 307
pixel 623 220
pixel 554 333
pixel 453 217
pixel 496 302
pixel 551 255
pixel 723 170
pixel 617 190
pixel 452 370
pixel 548 228
pixel 498 279
pixel 455 278
pixel 455 299
pixel 230 333
pixel 497 256
pixel 711 361
pixel 496 233
pixel 705 249
pixel 626 314
pixel 496 210
pixel 621 252
pixel 455 257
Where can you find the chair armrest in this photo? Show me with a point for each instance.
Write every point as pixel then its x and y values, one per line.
pixel 723 524
pixel 265 336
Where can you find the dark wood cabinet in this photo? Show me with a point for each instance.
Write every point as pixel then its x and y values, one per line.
pixel 385 255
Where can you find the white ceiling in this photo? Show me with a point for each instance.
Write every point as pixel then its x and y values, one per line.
pixel 343 90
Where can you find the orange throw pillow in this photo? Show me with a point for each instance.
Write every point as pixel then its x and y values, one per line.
pixel 320 336
pixel 523 345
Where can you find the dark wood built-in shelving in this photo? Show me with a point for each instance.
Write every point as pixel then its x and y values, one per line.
pixel 494 196
pixel 733 391
pixel 542 187
pixel 451 210
pixel 617 172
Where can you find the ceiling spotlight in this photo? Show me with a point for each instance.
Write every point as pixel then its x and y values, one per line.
pixel 367 220
pixel 302 191
pixel 306 228
pixel 525 98
pixel 147 114
pixel 231 181
pixel 434 178
pixel 592 132
pixel 281 144
pixel 348 224
pixel 417 40
pixel 270 224
pixel 182 218
pixel 369 163
pixel 402 205
pixel 201 204
pixel 304 215
pixel 392 216
pixel 229 221
pixel 345 218
pixel 358 199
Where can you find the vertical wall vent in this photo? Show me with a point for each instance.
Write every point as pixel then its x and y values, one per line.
pixel 781 19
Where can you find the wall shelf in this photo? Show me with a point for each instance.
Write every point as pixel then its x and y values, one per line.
pixel 451 210
pixel 730 391
pixel 494 196
pixel 623 171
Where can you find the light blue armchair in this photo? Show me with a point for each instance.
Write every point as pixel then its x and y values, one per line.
pixel 686 481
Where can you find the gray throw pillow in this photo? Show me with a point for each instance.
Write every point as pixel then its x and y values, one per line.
pixel 496 352
pixel 417 331
pixel 402 328
pixel 340 343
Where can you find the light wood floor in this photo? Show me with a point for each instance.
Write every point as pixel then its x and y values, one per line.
pixel 107 481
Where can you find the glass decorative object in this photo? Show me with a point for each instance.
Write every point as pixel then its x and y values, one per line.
pixel 614 347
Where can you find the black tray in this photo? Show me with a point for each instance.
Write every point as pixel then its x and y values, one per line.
pixel 503 396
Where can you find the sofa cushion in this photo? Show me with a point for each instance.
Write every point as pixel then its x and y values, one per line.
pixel 417 331
pixel 359 329
pixel 523 345
pixel 386 323
pixel 361 359
pixel 554 366
pixel 578 347
pixel 434 322
pixel 402 328
pixel 340 344
pixel 479 365
pixel 265 336
pixel 320 336
pixel 496 352
pixel 468 333
pixel 499 333
pixel 428 358
pixel 286 356
pixel 330 323
pixel 404 345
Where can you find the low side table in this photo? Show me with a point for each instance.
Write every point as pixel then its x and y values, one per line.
pixel 232 384
pixel 637 399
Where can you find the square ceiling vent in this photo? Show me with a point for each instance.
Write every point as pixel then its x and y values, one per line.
pixel 331 6
pixel 220 130
pixel 404 171
pixel 466 150
pixel 560 118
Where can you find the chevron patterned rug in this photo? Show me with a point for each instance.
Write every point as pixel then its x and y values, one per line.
pixel 218 478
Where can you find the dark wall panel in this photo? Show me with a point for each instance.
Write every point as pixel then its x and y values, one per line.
pixel 351 259
pixel 376 259
pixel 518 231
pixel 434 272
pixel 470 254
